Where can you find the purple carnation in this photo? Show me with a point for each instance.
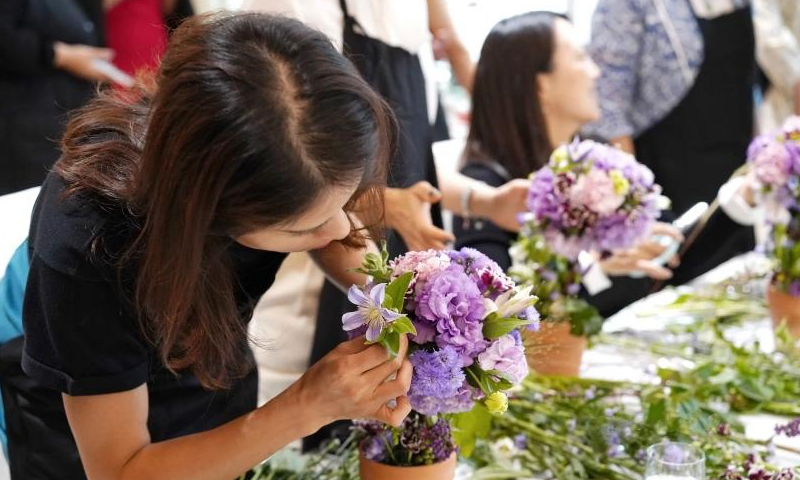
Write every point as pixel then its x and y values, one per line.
pixel 770 160
pixel 506 357
pixel 437 373
pixel 543 199
pixel 452 301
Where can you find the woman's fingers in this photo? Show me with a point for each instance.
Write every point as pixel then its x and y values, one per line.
pixel 394 416
pixel 653 270
pixel 369 359
pixel 426 237
pixel 426 192
pixel 389 366
pixel 661 228
pixel 397 386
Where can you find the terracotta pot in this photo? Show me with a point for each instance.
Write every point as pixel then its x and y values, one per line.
pixel 552 350
pixel 784 308
pixel 369 470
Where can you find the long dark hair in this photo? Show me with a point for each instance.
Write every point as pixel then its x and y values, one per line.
pixel 251 118
pixel 507 124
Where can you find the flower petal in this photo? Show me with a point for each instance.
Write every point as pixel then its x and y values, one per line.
pixel 373 332
pixel 390 315
pixel 377 294
pixel 357 297
pixel 352 320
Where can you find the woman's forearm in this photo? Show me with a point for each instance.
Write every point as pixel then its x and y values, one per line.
pixel 114 444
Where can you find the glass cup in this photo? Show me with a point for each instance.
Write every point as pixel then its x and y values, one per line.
pixel 675 461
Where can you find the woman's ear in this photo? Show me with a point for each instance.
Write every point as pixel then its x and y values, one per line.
pixel 544 87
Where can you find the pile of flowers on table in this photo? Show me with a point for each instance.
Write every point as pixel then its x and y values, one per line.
pixel 463 316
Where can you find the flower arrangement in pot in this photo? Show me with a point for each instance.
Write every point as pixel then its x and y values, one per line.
pixel 464 319
pixel 590 199
pixel 774 174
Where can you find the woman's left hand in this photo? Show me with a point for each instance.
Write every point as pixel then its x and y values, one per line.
pixel 641 257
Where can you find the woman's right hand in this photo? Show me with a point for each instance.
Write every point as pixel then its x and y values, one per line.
pixel 408 212
pixel 78 60
pixel 358 381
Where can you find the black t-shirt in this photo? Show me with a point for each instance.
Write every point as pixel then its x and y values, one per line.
pixel 82 337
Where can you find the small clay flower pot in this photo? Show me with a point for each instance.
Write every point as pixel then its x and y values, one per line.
pixel 784 308
pixel 371 470
pixel 553 350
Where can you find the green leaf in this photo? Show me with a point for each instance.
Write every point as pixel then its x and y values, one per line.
pixel 396 292
pixel 469 426
pixel 403 325
pixel 391 340
pixel 723 377
pixel 657 412
pixel 494 328
pixel 585 320
pixel 754 390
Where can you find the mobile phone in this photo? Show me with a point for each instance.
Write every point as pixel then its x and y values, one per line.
pixel 115 74
pixel 684 224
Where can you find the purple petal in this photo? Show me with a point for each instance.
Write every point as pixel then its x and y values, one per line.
pixel 377 294
pixel 390 315
pixel 373 332
pixel 357 297
pixel 352 320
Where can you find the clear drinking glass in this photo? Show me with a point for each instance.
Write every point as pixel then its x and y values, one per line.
pixel 675 461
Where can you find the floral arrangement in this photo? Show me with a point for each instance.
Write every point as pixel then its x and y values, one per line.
pixel 774 161
pixel 463 316
pixel 590 197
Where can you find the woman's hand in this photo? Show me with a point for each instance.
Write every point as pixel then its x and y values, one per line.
pixel 78 60
pixel 502 204
pixel 640 258
pixel 357 381
pixel 408 212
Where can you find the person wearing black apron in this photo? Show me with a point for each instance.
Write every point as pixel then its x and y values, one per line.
pixel 699 144
pixel 397 75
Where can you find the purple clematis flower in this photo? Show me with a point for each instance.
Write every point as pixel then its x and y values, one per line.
pixel 371 312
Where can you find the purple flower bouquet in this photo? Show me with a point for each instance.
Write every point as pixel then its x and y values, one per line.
pixel 774 162
pixel 589 197
pixel 463 315
pixel 592 197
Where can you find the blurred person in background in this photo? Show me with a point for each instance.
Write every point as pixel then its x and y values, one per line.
pixel 676 90
pixel 777 27
pixel 521 113
pixel 47 49
pixel 137 30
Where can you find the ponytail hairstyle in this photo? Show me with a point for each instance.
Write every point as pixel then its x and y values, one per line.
pixel 251 119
